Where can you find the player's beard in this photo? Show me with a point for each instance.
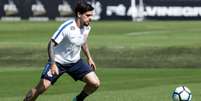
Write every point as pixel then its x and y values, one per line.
pixel 86 23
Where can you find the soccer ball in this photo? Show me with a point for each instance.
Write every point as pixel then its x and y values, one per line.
pixel 182 93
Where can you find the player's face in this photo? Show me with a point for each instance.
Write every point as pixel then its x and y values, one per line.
pixel 86 17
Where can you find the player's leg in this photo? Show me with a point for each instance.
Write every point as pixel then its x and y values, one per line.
pixel 82 71
pixel 92 84
pixel 47 79
pixel 42 86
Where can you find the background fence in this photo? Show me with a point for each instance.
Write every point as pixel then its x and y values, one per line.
pixel 104 9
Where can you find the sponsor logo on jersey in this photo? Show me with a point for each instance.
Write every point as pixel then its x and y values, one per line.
pixel 72 28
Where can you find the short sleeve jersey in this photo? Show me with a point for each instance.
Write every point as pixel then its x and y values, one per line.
pixel 69 38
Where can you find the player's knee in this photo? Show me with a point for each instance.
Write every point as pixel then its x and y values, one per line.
pixel 95 84
pixel 42 87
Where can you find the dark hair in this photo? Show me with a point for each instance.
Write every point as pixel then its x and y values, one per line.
pixel 82 7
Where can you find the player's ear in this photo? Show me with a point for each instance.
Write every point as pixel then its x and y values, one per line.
pixel 78 15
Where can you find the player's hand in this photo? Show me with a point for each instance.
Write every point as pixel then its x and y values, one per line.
pixel 92 64
pixel 54 69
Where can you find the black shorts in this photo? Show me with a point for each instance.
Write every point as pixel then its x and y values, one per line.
pixel 76 70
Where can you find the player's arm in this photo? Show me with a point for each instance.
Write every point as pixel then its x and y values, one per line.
pixel 51 55
pixel 85 49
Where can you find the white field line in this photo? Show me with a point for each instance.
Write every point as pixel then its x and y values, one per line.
pixel 145 33
pixel 162 31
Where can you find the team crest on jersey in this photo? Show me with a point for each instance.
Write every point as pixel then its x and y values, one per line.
pixel 72 27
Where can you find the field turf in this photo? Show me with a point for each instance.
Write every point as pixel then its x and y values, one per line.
pixel 117 84
pixel 153 58
pixel 153 44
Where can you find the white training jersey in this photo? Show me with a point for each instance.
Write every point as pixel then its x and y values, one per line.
pixel 69 38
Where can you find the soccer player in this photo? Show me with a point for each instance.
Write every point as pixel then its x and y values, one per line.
pixel 64 55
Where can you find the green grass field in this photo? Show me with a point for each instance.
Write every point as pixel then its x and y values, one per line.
pixel 117 84
pixel 153 58
pixel 154 44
